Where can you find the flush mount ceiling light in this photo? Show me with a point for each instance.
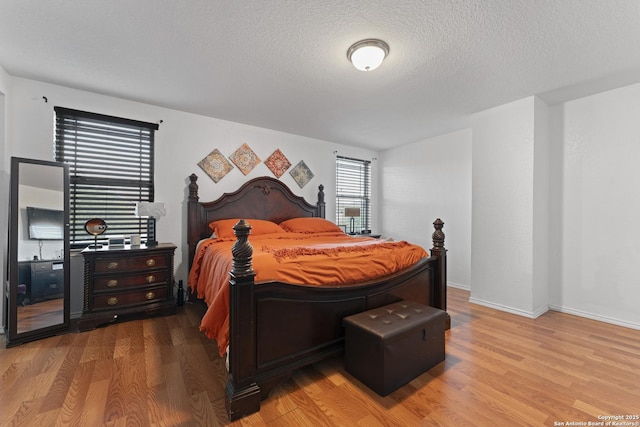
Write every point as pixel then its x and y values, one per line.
pixel 367 55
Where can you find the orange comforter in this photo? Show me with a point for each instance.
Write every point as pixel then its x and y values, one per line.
pixel 321 259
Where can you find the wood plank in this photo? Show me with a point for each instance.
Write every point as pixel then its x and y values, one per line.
pixel 500 369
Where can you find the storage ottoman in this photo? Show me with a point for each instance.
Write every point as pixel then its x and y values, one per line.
pixel 387 347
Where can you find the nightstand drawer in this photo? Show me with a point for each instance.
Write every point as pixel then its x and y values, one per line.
pixel 41 266
pixel 124 299
pixel 112 283
pixel 47 276
pixel 113 265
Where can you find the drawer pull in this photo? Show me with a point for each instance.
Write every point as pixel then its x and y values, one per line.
pixel 151 262
pixel 112 301
pixel 150 295
pixel 112 283
pixel 151 279
pixel 112 265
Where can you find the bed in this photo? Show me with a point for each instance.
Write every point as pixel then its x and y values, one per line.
pixel 275 327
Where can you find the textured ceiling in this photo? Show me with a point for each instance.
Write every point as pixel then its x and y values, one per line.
pixel 282 64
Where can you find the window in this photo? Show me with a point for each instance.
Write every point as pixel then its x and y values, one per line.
pixel 353 190
pixel 111 168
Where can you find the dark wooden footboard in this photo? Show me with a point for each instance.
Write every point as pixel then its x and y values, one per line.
pixel 276 328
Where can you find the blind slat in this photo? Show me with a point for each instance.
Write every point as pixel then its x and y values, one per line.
pixel 111 168
pixel 353 190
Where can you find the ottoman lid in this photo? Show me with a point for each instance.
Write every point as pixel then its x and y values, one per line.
pixel 393 319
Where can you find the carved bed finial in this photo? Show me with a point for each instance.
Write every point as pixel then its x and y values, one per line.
pixel 438 235
pixel 321 204
pixel 242 250
pixel 193 187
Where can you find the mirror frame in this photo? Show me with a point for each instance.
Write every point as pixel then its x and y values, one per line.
pixel 11 326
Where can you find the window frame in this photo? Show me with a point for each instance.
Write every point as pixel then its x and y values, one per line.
pixel 105 180
pixel 353 189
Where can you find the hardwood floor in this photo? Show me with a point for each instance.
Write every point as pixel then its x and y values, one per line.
pixel 500 370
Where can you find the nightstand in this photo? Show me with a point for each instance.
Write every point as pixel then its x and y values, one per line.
pixel 127 281
pixel 43 279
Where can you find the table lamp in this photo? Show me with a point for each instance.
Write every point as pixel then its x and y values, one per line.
pixel 152 210
pixel 352 213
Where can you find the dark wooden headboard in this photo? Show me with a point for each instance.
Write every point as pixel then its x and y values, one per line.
pixel 260 198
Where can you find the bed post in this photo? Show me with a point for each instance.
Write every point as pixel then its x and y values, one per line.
pixel 321 204
pixel 440 287
pixel 193 217
pixel 243 394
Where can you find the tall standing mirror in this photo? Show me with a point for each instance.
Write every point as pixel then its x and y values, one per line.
pixel 37 297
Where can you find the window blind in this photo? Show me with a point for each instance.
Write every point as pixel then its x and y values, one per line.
pixel 353 190
pixel 111 168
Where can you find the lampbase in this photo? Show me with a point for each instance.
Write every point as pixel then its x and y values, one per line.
pixel 151 232
pixel 95 245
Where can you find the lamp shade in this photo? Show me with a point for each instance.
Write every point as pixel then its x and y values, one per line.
pixel 152 209
pixel 351 212
pixel 367 55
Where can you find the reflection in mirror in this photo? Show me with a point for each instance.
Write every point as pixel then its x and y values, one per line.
pixel 38 255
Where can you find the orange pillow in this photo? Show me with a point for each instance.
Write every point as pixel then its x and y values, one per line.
pixel 223 228
pixel 309 225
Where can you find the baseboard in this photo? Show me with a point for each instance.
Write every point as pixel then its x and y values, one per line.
pixel 506 308
pixel 597 317
pixel 541 311
pixel 459 286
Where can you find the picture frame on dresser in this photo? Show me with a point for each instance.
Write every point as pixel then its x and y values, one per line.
pixel 127 282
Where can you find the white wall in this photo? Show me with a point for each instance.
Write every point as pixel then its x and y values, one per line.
pixel 509 234
pixel 502 206
pixel 599 230
pixel 541 208
pixel 181 142
pixel 555 197
pixel 427 180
